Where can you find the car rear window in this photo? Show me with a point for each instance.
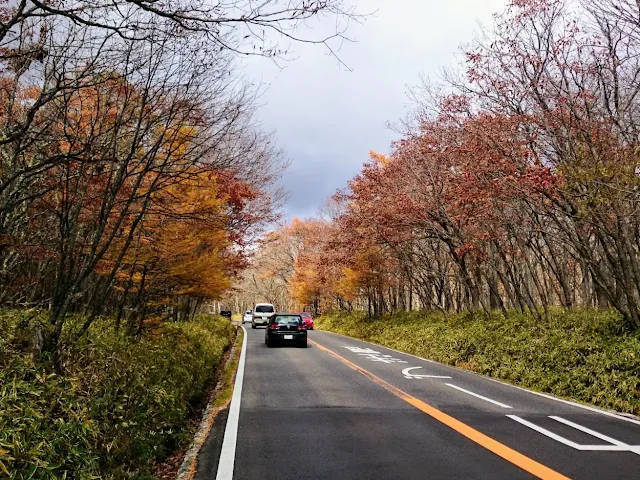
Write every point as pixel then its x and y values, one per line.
pixel 306 315
pixel 281 320
pixel 264 309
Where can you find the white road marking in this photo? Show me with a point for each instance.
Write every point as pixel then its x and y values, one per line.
pixel 617 446
pixel 228 453
pixel 575 404
pixel 589 431
pixel 407 374
pixel 546 432
pixel 377 358
pixel 478 396
pixel 362 351
pixel 374 355
pixel 616 415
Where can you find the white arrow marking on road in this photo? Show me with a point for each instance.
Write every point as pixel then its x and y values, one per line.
pixel 406 374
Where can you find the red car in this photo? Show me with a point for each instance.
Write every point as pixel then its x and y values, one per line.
pixel 307 319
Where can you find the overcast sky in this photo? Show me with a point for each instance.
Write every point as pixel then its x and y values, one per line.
pixel 327 118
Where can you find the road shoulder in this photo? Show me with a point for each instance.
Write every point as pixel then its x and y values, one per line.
pixel 205 448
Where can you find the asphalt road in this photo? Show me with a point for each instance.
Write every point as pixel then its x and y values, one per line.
pixel 346 409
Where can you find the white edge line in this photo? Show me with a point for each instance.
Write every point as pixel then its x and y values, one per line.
pixel 569 402
pixel 478 396
pixel 546 432
pixel 593 433
pixel 228 452
pixel 616 415
pixel 606 448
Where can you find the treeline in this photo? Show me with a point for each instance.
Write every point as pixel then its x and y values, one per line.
pixel 133 175
pixel 268 277
pixel 515 185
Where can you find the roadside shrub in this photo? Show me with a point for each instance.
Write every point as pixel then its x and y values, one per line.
pixel 121 405
pixel 580 355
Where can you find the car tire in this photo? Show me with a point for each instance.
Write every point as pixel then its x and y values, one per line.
pixel 303 344
pixel 270 343
pixel 253 325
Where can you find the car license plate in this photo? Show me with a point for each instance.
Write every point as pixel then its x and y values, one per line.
pixel 288 337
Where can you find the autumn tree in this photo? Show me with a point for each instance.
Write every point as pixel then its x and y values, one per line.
pixel 104 106
pixel 515 184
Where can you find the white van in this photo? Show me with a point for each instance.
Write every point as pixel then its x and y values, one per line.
pixel 261 314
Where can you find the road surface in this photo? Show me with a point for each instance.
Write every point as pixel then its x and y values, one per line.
pixel 346 409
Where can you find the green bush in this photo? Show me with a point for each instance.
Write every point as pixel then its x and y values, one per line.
pixel 581 355
pixel 122 404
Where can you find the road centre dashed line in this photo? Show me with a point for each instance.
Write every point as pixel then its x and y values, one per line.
pixel 478 396
pixel 513 456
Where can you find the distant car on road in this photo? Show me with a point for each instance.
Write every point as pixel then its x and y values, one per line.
pixel 261 314
pixel 307 319
pixel 247 316
pixel 286 328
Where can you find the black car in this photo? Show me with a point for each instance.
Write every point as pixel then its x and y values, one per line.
pixel 286 328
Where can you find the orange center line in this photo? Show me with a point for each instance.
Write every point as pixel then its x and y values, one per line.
pixel 525 463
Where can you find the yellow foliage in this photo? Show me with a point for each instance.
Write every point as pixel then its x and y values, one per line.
pixel 348 284
pixel 184 245
pixel 379 159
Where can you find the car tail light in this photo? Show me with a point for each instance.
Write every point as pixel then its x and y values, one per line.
pixel 302 327
pixel 273 326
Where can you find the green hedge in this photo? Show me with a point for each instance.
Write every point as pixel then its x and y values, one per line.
pixel 580 355
pixel 122 405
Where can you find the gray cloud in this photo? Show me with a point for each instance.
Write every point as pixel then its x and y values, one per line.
pixel 328 119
